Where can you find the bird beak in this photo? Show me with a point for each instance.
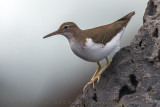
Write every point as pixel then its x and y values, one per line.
pixel 51 34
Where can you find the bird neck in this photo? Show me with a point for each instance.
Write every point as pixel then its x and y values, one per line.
pixel 75 36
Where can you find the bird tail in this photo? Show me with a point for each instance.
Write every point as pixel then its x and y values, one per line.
pixel 127 17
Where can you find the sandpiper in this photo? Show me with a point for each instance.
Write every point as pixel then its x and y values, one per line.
pixel 94 44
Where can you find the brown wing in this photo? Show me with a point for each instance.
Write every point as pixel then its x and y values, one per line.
pixel 104 34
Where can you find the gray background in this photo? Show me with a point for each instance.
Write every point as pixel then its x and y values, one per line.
pixel 37 69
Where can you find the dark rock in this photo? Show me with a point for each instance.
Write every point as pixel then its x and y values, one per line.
pixel 133 78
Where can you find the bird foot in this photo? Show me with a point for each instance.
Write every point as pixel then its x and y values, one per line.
pixel 97 77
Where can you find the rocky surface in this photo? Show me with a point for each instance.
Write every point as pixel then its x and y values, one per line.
pixel 133 78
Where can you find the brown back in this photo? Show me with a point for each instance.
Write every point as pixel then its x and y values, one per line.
pixel 104 34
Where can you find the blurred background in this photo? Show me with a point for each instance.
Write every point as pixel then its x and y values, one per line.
pixel 37 72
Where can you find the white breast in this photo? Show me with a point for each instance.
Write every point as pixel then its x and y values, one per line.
pixel 95 52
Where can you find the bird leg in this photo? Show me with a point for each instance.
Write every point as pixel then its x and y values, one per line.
pixel 97 75
pixel 100 73
pixel 99 67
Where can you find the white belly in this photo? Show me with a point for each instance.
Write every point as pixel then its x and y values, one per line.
pixel 95 52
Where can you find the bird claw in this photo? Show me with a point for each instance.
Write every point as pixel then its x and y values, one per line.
pixel 97 77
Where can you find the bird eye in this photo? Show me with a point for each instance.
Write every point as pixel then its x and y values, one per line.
pixel 66 27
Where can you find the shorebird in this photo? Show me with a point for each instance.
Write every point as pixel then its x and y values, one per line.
pixel 94 44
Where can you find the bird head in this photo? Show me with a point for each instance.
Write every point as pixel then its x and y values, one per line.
pixel 67 29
